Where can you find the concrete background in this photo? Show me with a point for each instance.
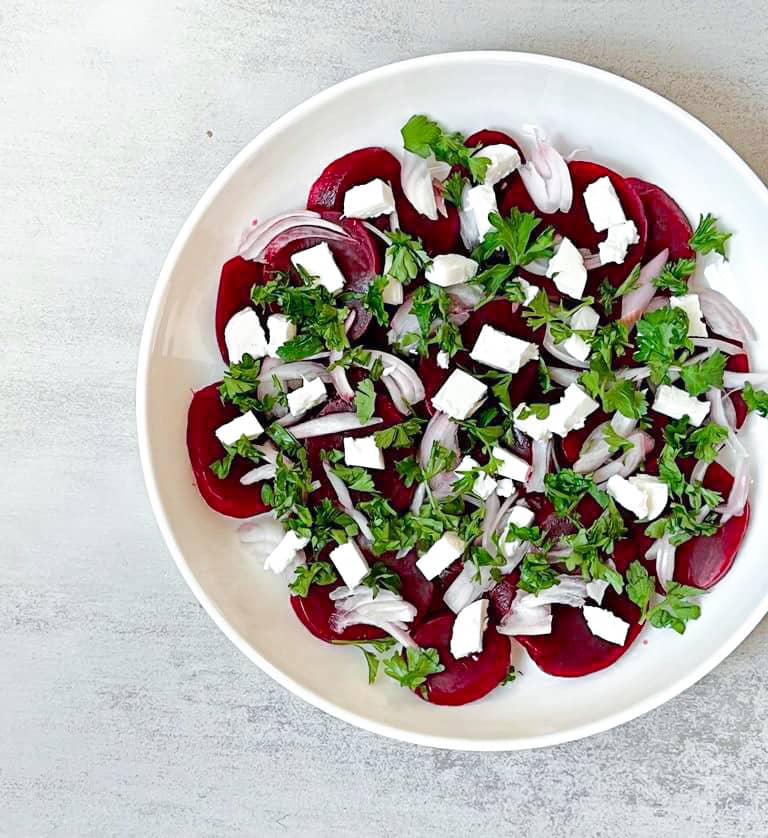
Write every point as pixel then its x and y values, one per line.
pixel 123 710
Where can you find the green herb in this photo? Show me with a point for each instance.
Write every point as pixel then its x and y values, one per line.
pixel 660 335
pixel 615 441
pixel 566 488
pixel 412 669
pixel 480 557
pixel 365 400
pixel 707 237
pixel 541 312
pixel 316 573
pixel 609 295
pixel 510 677
pixel 409 470
pixel 357 356
pixel 640 587
pixel 240 383
pixel 373 300
pixel 675 610
pixel 423 136
pixel 706 441
pixel 533 535
pixel 488 436
pixel 372 652
pixel 431 305
pixel 288 492
pixel 544 379
pixel 405 257
pixel 626 398
pixel 380 577
pixel 536 573
pixel 300 347
pixel 244 448
pixel 284 439
pixel 400 435
pixel 674 276
pixel 331 524
pixel 703 375
pixel 587 545
pixel 755 400
pixel 356 478
pixel 453 186
pixel 537 409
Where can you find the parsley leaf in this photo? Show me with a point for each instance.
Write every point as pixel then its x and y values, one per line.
pixel 373 300
pixel 412 670
pixel 536 573
pixel 615 441
pixel 624 396
pixel 706 440
pixel 587 544
pixel 609 295
pixel 661 334
pixel 513 235
pixel 365 400
pixel 675 610
pixel 640 587
pixel 510 677
pixel 400 435
pixel 674 276
pixel 331 524
pixel 244 448
pixel 431 306
pixel 405 257
pixel 453 186
pixel 566 488
pixel 707 237
pixel 316 573
pixel 755 400
pixel 422 135
pixel 372 651
pixel 380 577
pixel 544 379
pixel 541 312
pixel 356 478
pixel 703 375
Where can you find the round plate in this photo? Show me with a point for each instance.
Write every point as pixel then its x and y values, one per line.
pixel 614 122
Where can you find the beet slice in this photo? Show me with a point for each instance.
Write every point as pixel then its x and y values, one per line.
pixel 502 596
pixel 738 363
pixel 668 225
pixel 575 223
pixel 705 559
pixel 571 444
pixel 487 136
pixel 227 496
pixel 238 276
pixel 467 679
pixel 571 650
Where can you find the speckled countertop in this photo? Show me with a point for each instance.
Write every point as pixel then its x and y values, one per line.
pixel 123 710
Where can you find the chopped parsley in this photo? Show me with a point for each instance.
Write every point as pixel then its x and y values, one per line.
pixel 453 186
pixel 365 400
pixel 405 257
pixel 674 276
pixel 673 611
pixel 536 573
pixel 399 436
pixel 609 294
pixel 380 577
pixel 565 488
pixel 708 237
pixel 704 375
pixel 755 400
pixel 316 573
pixel 412 667
pixel 423 136
pixel 661 335
pixel 243 448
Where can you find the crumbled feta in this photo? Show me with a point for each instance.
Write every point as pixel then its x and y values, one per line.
pixel 363 451
pixel 616 244
pixel 519 516
pixel 690 304
pixel 350 563
pixel 484 485
pixel 318 262
pixel 281 330
pixel 529 290
pixel 603 204
pixel 369 200
pixel 480 201
pixel 501 351
pixel 468 629
pixel 605 624
pixel 504 158
pixel 512 466
pixel 285 552
pixel 676 403
pixel 596 589
pixel 629 496
pixel 532 426
pixel 505 488
pixel 449 269
pixel 566 269
pixel 443 358
pixel 246 425
pixel 392 293
pixel 584 320
pixel 310 394
pixel 570 413
pixel 244 334
pixel 460 396
pixel 656 493
pixel 443 552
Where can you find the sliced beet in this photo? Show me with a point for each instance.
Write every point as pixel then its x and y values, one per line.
pixel 488 136
pixel 571 444
pixel 571 650
pixel 467 679
pixel 668 225
pixel 502 596
pixel 227 496
pixel 738 363
pixel 238 276
pixel 575 223
pixel 588 510
pixel 705 559
pixel 415 588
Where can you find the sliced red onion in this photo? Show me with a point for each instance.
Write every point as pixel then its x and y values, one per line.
pixel 465 588
pixel 333 423
pixel 630 461
pixel 327 231
pixel 492 506
pixel 418 498
pixel 633 373
pixel 345 499
pixel 465 296
pixel 402 322
pixel 531 613
pixel 717 410
pixel 562 376
pixel 256 238
pixel 592 261
pixel 656 303
pixel 372 228
pixel 723 317
pixel 387 611
pixel 260 535
pixel 595 451
pixel 416 181
pixel 256 475
pixel 546 177
pixel 529 619
pixel 339 378
pixel 737 380
pixel 636 301
pixel 293 371
pixel 503 509
pixel 713 343
pixel 557 351
pixel 623 425
pixel 470 235
pixel 404 375
pixel 699 471
pixel 541 457
pixel 440 429
pixel 664 553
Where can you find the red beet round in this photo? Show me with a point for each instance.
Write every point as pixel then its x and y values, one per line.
pixel 467 679
pixel 738 363
pixel 238 276
pixel 488 136
pixel 227 496
pixel 667 223
pixel 571 445
pixel 502 596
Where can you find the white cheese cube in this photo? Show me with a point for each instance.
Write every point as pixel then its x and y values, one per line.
pixel 246 425
pixel 460 396
pixel 689 303
pixel 309 395
pixel 676 403
pixel 281 330
pixel 603 204
pixel 484 485
pixel 501 351
pixel 584 320
pixel 529 290
pixel 442 553
pixel 468 629
pixel 520 516
pixel 363 451
pixel 480 201
pixel 369 200
pixel 656 493
pixel 629 496
pixel 512 466
pixel 392 293
pixel 596 589
pixel 350 563
pixel 450 269
pixel 504 158
pixel 505 488
pixel 605 624
pixel 566 269
pixel 616 245
pixel 532 426
pixel 571 412
pixel 244 334
pixel 285 552
pixel 443 359
pixel 318 262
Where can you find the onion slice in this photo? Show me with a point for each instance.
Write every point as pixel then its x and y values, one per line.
pixel 256 239
pixel 636 301
pixel 332 423
pixel 387 610
pixel 723 317
pixel 546 176
pixel 345 499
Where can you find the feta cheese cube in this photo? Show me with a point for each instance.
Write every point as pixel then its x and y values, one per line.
pixel 603 204
pixel 480 202
pixel 570 413
pixel 244 334
pixel 246 425
pixel 505 488
pixel 690 304
pixel 442 553
pixel 363 451
pixel 566 269
pixel 285 552
pixel 596 589
pixel 468 629
pixel 585 319
pixel 529 289
pixel 615 246
pixel 676 403
pixel 392 293
pixel 460 396
pixel 443 359
pixel 504 158
pixel 450 269
pixel 520 516
pixel 605 624
pixel 656 493
pixel 484 485
pixel 281 330
pixel 629 496
pixel 501 351
pixel 350 563
pixel 369 200
pixel 310 394
pixel 532 426
pixel 512 466
pixel 318 262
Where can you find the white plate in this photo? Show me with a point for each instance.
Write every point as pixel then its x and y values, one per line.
pixel 623 126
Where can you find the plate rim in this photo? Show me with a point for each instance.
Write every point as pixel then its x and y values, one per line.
pixel 607 722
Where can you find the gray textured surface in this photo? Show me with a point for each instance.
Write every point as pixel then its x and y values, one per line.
pixel 123 710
